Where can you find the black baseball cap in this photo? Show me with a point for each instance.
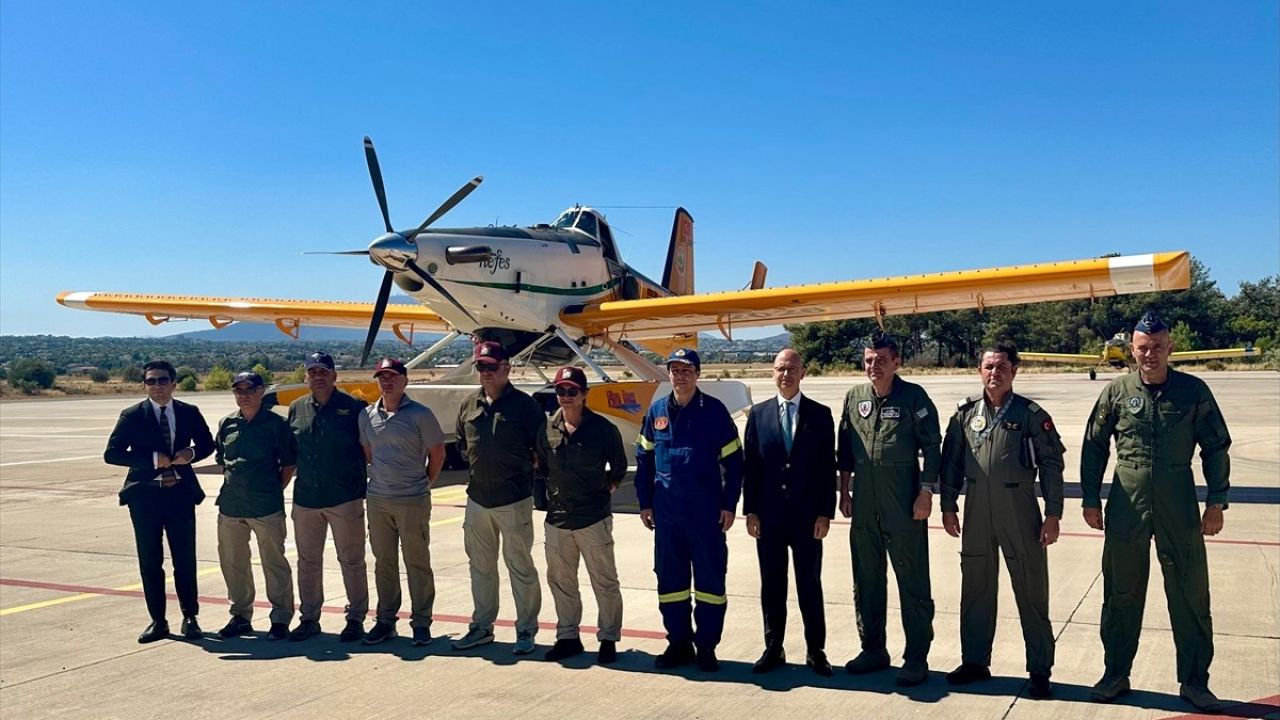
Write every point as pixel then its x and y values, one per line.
pixel 253 379
pixel 319 359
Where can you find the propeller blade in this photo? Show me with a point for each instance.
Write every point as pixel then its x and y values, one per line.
pixel 435 285
pixel 379 308
pixel 335 252
pixel 375 173
pixel 448 205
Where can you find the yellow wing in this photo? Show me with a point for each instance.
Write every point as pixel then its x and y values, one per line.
pixel 1060 358
pixel 1188 355
pixel 288 315
pixel 1100 277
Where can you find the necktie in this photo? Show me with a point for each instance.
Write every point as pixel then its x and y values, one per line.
pixel 168 476
pixel 787 423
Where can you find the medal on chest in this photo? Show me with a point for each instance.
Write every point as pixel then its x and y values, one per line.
pixel 978 423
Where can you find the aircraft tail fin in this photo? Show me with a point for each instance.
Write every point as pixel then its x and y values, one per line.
pixel 677 275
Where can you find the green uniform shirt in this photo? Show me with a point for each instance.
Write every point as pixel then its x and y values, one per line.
pixel 978 449
pixel 1155 434
pixel 500 440
pixel 578 487
pixel 252 453
pixel 331 463
pixel 880 441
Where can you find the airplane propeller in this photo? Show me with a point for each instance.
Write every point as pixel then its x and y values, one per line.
pixel 401 246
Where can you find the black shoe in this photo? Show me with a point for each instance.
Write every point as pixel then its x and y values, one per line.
pixel 1041 688
pixel 968 673
pixel 235 627
pixel 564 649
pixel 817 660
pixel 773 658
pixel 352 632
pixel 912 673
pixel 707 660
pixel 379 633
pixel 674 656
pixel 422 637
pixel 191 629
pixel 305 629
pixel 157 630
pixel 278 631
pixel 867 662
pixel 608 652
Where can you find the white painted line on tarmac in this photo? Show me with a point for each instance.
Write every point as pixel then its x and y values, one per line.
pixel 51 460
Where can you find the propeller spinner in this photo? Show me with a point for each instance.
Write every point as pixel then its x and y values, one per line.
pixel 397 252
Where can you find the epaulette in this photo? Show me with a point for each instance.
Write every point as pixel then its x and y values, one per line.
pixel 1033 407
pixel 968 402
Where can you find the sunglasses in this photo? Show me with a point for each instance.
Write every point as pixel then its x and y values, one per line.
pixel 562 391
pixel 486 368
pixel 163 380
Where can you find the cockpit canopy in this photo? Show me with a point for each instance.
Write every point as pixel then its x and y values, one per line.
pixel 591 223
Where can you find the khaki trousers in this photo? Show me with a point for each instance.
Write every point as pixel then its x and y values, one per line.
pixel 481 530
pixel 594 544
pixel 395 524
pixel 237 570
pixel 310 525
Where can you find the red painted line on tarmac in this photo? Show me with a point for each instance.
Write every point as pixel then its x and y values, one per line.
pixel 1099 536
pixel 456 619
pixel 1267 707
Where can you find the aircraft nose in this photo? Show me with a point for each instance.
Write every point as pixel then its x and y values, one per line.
pixel 392 251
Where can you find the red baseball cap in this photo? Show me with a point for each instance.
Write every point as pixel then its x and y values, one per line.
pixel 389 364
pixel 571 376
pixel 490 353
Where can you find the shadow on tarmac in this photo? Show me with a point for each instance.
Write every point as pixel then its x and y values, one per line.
pixel 326 648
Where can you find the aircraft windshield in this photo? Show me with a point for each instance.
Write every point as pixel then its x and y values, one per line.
pixel 584 221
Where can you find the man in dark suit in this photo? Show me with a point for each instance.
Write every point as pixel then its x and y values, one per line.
pixel 789 496
pixel 158 439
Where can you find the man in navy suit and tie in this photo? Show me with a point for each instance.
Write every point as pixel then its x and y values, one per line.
pixel 789 496
pixel 158 439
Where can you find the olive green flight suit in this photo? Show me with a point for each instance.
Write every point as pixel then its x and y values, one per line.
pixel 998 460
pixel 1153 493
pixel 880 442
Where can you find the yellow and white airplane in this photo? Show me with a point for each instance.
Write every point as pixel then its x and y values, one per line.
pixel 551 293
pixel 1116 354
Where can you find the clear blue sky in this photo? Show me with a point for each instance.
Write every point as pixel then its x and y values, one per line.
pixel 198 148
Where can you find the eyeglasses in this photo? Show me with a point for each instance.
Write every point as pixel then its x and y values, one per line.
pixel 563 391
pixel 162 380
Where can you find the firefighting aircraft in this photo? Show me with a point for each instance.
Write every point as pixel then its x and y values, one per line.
pixel 1116 354
pixel 552 293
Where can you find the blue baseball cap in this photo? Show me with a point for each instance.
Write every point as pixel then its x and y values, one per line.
pixel 252 379
pixel 686 356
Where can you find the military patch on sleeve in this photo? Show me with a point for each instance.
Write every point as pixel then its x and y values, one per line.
pixel 1048 425
pixel 922 413
pixel 661 422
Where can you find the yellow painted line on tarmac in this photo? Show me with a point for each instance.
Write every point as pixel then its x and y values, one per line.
pixel 85 596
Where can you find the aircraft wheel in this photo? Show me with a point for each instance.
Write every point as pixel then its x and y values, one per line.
pixel 1093 374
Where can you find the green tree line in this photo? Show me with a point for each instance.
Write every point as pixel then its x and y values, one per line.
pixel 1202 317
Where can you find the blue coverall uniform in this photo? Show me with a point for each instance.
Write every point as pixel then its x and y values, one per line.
pixel 680 455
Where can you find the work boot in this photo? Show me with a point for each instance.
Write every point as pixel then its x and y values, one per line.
pixel 968 673
pixel 707 660
pixel 913 673
pixel 1201 697
pixel 674 656
pixel 1109 688
pixel 608 652
pixel 422 637
pixel 1041 689
pixel 867 662
pixel 354 630
pixel 566 648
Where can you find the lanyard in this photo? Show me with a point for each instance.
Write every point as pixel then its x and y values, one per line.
pixel 981 428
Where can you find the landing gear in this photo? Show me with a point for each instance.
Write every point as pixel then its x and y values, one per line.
pixel 1093 374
